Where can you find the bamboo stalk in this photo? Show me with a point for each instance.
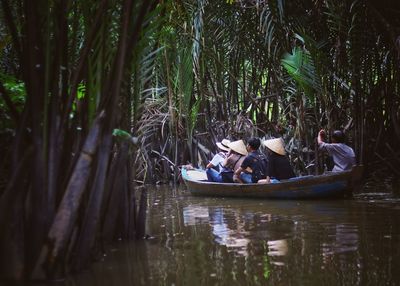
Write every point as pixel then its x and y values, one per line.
pixel 61 229
pixel 92 216
pixel 12 226
pixel 113 208
pixel 141 218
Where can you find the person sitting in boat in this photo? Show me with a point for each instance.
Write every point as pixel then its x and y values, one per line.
pixel 214 167
pixel 254 165
pixel 233 161
pixel 235 158
pixel 343 155
pixel 218 159
pixel 278 167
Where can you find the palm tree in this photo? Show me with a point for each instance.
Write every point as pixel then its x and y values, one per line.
pixel 75 79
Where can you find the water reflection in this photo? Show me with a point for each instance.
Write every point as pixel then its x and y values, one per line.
pixel 229 229
pixel 232 236
pixel 277 247
pixel 213 241
pixel 193 215
pixel 344 238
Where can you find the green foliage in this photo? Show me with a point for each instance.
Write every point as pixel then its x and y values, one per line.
pixel 273 28
pixel 121 134
pixel 143 78
pixel 15 88
pixel 17 93
pixel 193 113
pixel 300 66
pixel 232 53
pixel 81 91
pixel 183 87
pixel 266 266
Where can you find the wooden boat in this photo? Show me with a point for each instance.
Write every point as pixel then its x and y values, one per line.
pixel 330 185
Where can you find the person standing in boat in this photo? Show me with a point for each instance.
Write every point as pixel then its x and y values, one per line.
pixel 278 167
pixel 254 165
pixel 214 167
pixel 343 155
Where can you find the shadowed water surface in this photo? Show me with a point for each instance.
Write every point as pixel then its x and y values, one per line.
pixel 217 241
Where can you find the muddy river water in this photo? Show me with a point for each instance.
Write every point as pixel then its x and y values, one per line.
pixel 219 241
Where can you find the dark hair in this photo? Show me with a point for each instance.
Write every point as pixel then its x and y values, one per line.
pixel 338 136
pixel 254 143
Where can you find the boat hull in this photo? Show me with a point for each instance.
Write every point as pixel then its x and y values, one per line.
pixel 331 185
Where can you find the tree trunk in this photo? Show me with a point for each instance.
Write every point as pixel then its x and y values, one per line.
pixel 66 216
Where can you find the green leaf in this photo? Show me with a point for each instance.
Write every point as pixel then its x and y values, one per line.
pixel 122 134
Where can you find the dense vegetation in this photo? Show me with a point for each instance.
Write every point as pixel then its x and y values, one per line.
pixel 96 95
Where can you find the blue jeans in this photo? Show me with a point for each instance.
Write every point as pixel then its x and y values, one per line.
pixel 213 175
pixel 246 178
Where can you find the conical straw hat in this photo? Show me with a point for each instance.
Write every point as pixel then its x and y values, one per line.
pixel 275 145
pixel 238 146
pixel 223 145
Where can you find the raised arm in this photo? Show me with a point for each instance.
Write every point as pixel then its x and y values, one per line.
pixel 321 136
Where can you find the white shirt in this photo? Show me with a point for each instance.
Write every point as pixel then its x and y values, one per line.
pixel 218 159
